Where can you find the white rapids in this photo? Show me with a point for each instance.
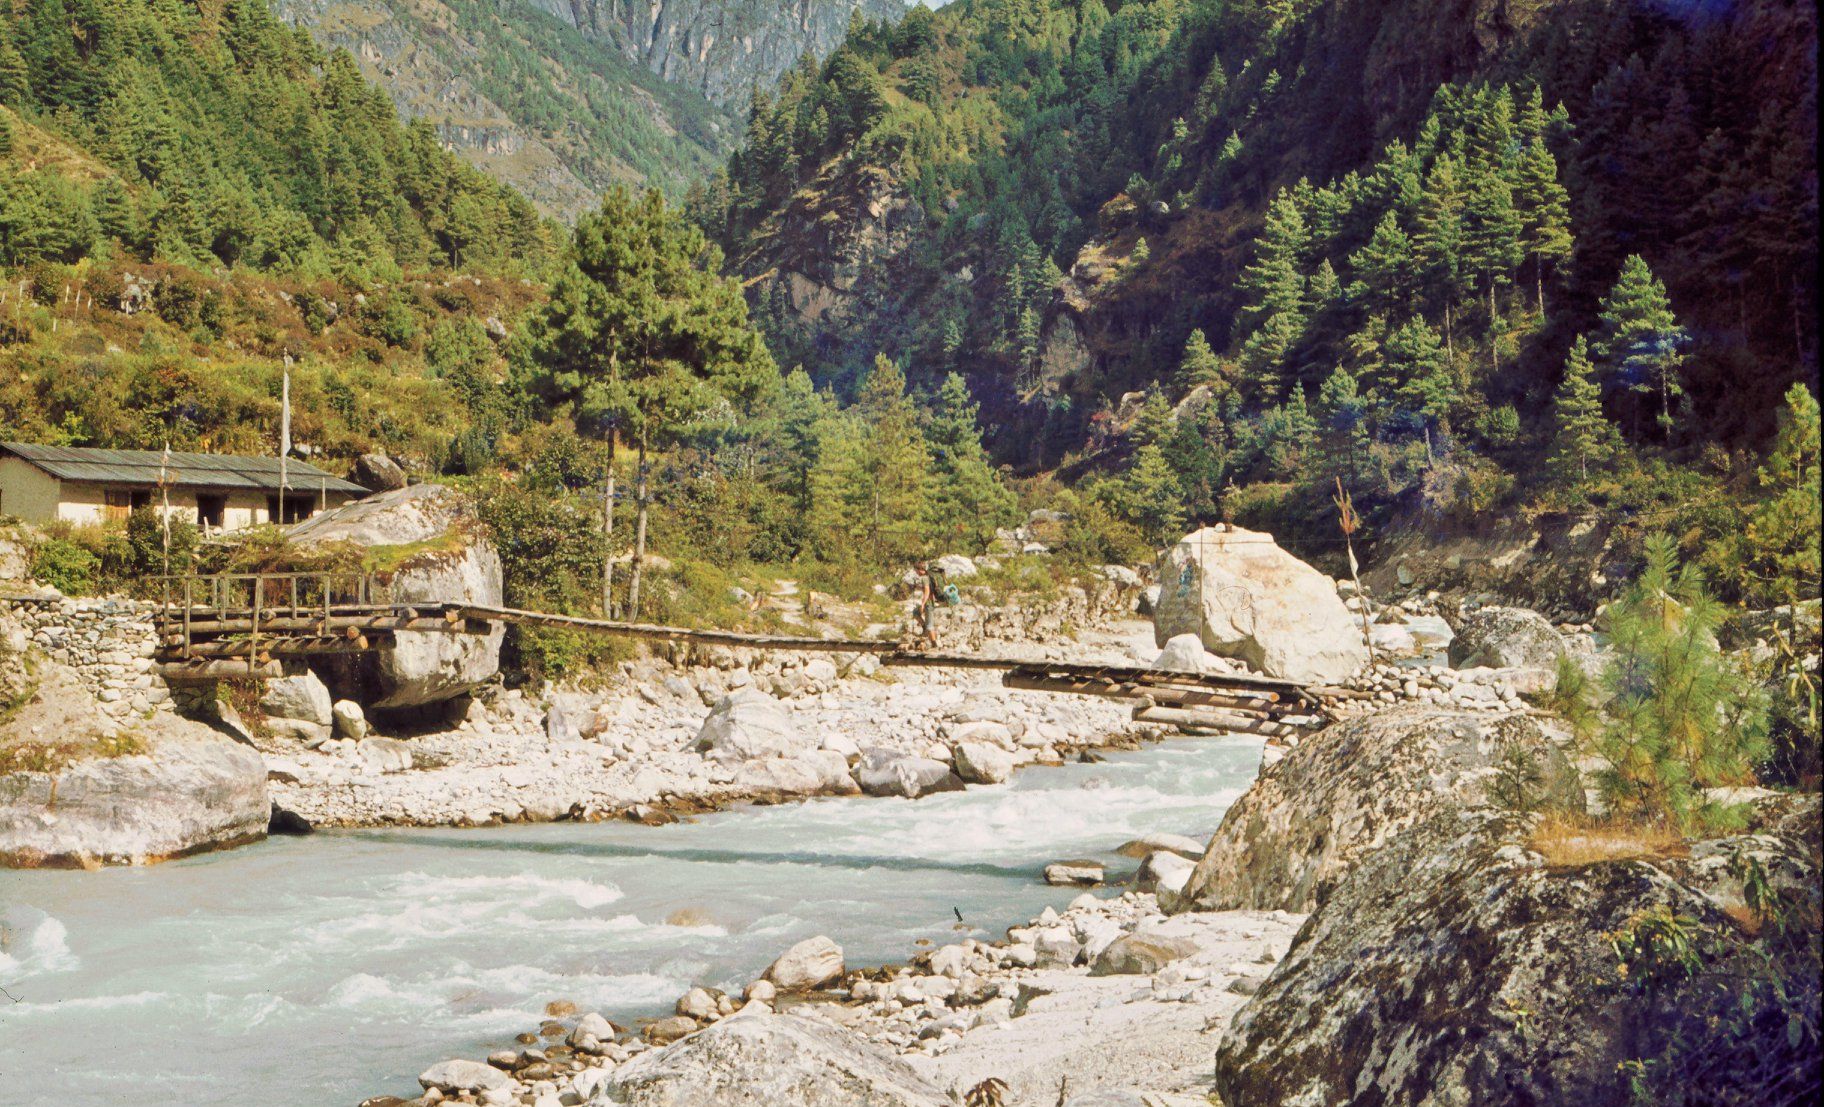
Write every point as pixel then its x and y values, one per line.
pixel 316 971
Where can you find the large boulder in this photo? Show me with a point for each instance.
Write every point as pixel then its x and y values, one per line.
pixel 444 557
pixel 747 724
pixel 982 762
pixel 1506 638
pixel 886 772
pixel 303 698
pixel 756 1059
pixel 1246 598
pixel 1345 790
pixel 808 964
pixel 1183 653
pixel 1457 965
pixel 184 789
pixel 378 473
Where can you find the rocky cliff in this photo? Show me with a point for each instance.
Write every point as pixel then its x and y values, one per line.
pixel 721 48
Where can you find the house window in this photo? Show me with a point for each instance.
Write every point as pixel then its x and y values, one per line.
pixel 117 502
pixel 210 511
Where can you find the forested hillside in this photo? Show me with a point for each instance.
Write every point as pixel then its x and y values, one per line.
pixel 1278 244
pixel 527 96
pixel 214 134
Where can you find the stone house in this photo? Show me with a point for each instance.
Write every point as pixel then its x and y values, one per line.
pixel 219 492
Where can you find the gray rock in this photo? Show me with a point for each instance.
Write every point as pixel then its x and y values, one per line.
pixel 195 789
pixel 982 763
pixel 378 473
pixel 304 698
pixel 1143 952
pixel 1456 915
pixel 1347 788
pixel 457 1075
pixel 955 566
pixel 453 562
pixel 884 772
pixel 697 1004
pixel 388 755
pixel 1074 872
pixel 1246 598
pixel 754 1059
pixel 810 963
pixel 668 1030
pixel 1147 844
pixel 566 717
pixel 1183 653
pixel 1163 872
pixel 813 772
pixel 1506 637
pixel 748 724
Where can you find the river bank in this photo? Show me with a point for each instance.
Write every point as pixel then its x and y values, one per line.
pixel 327 968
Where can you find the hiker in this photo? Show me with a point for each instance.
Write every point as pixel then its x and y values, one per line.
pixel 925 593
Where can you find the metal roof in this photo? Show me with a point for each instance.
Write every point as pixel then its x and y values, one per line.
pixel 141 467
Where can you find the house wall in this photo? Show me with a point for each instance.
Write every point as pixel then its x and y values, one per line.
pixel 35 496
pixel 27 492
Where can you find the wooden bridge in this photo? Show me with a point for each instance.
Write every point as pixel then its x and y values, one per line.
pixel 245 625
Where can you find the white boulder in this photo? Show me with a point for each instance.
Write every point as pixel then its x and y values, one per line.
pixel 747 724
pixel 303 698
pixel 809 964
pixel 982 762
pixel 1246 598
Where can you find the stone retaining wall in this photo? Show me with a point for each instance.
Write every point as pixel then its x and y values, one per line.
pixel 108 642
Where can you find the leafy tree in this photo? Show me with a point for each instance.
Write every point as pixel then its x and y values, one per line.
pixel 1441 240
pixel 1641 344
pixel 1149 496
pixel 1153 422
pixel 641 331
pixel 1274 283
pixel 1493 245
pixel 968 498
pixel 1583 434
pixel 1681 716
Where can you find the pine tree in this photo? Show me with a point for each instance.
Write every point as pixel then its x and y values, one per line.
pixel 1141 251
pixel 15 76
pixel 1200 366
pixel 1681 716
pixel 1323 289
pixel 872 484
pixel 1441 240
pixel 1545 209
pixel 1584 436
pixel 1383 268
pixel 1420 374
pixel 1783 528
pixel 1342 425
pixel 1641 344
pixel 1274 283
pixel 1153 422
pixel 1493 240
pixel 968 498
pixel 1150 496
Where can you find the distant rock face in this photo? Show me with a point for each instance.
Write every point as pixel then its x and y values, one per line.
pixel 1343 791
pixel 722 48
pixel 1506 638
pixel 1246 598
pixel 1454 966
pixel 457 562
pixel 192 790
pixel 758 1058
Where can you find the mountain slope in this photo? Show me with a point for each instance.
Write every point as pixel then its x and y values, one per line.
pixel 524 95
pixel 214 135
pixel 930 205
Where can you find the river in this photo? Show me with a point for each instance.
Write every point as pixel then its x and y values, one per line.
pixel 315 971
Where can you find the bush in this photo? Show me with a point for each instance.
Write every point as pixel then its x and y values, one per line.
pixel 66 566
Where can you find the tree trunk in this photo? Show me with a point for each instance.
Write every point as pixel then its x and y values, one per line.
pixel 1539 284
pixel 1450 350
pixel 608 536
pixel 1494 329
pixel 639 537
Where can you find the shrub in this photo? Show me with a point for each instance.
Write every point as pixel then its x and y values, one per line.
pixel 66 566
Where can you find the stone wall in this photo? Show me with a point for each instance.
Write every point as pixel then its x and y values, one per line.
pixel 108 642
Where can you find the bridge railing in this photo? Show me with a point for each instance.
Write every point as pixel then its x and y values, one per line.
pixel 252 602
